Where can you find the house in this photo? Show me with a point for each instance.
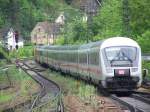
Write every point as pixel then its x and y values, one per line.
pixel 9 40
pixel 46 32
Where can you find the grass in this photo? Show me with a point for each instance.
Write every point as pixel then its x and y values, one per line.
pixel 25 85
pixel 3 54
pixel 26 51
pixel 85 94
pixel 3 78
pixel 3 62
pixel 72 86
pixel 5 97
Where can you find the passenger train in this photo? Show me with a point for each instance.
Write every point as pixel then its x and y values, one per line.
pixel 114 63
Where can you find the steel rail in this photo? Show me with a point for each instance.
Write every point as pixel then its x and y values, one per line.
pixel 130 107
pixel 59 107
pixel 143 98
pixel 41 84
pixel 133 103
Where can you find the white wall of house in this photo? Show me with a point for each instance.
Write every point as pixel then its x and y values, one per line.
pixel 9 41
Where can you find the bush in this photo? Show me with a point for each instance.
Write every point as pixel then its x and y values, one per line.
pixel 26 51
pixel 144 41
pixel 146 65
pixel 109 21
pixel 4 54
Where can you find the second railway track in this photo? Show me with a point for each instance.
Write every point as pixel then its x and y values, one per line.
pixel 137 102
pixel 50 90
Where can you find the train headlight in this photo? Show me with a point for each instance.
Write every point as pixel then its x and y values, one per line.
pixel 134 69
pixel 109 70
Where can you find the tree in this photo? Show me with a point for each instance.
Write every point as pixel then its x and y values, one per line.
pixel 140 14
pixel 109 22
pixel 144 40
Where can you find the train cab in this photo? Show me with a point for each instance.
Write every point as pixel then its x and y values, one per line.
pixel 121 63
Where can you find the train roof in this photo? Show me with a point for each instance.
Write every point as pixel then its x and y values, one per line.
pixel 119 41
pixel 66 47
pixel 114 41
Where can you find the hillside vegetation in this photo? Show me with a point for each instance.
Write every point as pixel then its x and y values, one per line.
pixel 24 14
pixel 128 18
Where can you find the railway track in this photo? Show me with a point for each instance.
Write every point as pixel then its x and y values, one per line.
pixel 50 90
pixel 137 102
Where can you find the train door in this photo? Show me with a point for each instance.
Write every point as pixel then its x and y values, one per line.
pixel 88 64
pixel 47 57
pixel 78 62
pixel 94 64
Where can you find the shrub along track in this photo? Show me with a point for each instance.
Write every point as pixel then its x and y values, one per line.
pixel 7 80
pixel 50 91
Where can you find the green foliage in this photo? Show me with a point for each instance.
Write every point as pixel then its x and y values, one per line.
pixel 23 15
pixel 3 62
pixel 5 97
pixel 68 1
pixel 60 41
pixel 74 33
pixel 144 40
pixel 26 51
pixel 146 65
pixel 71 86
pixel 115 18
pixel 140 14
pixel 1 20
pixel 109 22
pixel 4 54
pixel 22 80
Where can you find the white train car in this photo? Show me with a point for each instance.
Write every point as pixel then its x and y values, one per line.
pixel 114 63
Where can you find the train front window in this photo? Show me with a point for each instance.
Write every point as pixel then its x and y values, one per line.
pixel 121 56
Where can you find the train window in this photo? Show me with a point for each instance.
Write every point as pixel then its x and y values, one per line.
pixel 64 56
pixel 52 55
pixel 121 53
pixel 71 57
pixel 49 54
pixel 45 54
pixel 94 58
pixel 41 52
pixel 83 58
pixel 75 56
